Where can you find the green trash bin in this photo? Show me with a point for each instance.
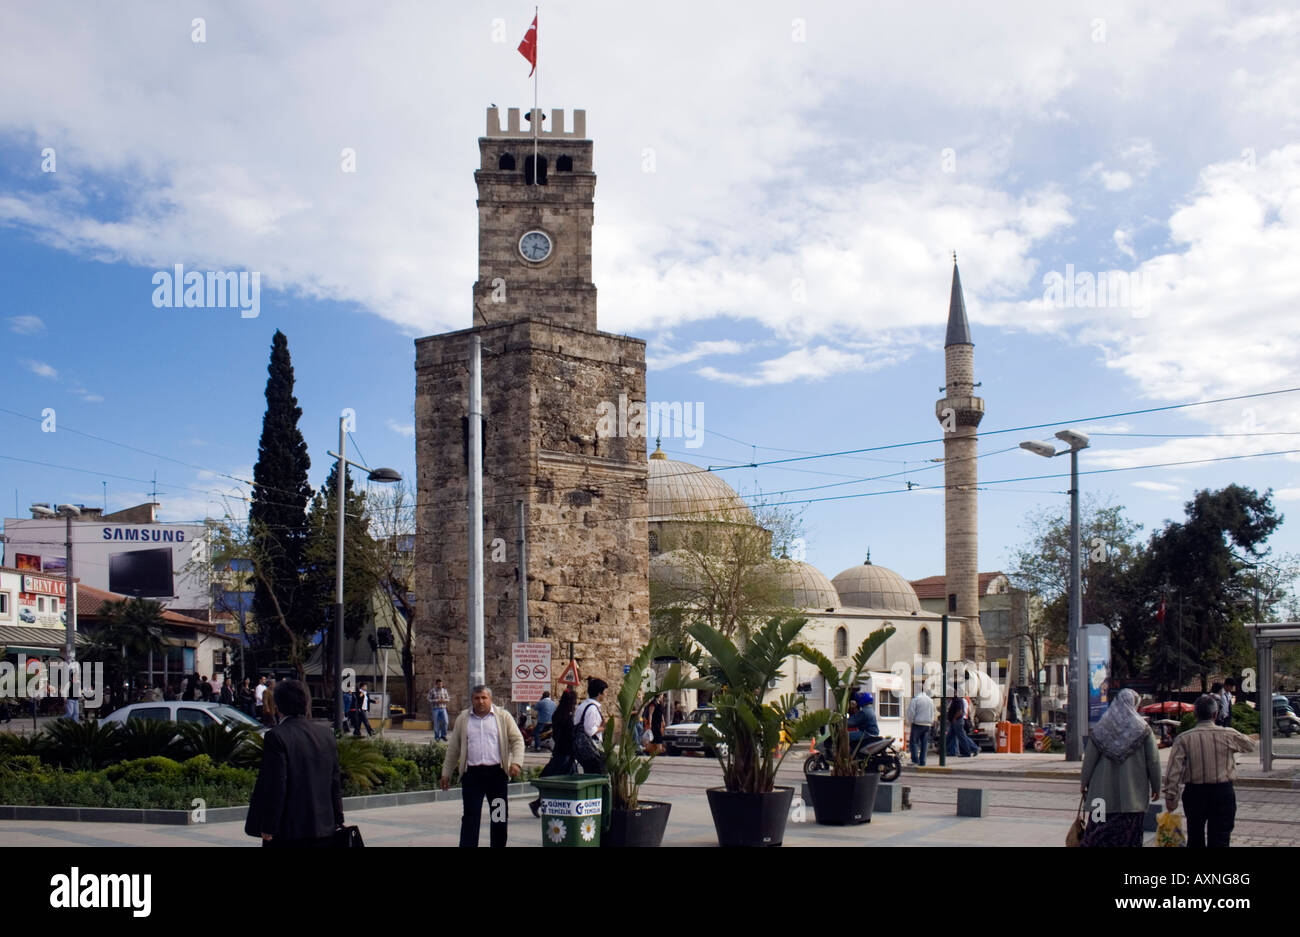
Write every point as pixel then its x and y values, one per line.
pixel 575 808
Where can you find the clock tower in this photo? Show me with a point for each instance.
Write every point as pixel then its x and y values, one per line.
pixel 550 380
pixel 534 223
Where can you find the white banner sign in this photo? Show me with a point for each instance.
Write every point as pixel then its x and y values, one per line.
pixel 530 670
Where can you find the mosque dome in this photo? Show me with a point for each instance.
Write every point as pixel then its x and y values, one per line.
pixel 680 491
pixel 869 586
pixel 673 570
pixel 806 585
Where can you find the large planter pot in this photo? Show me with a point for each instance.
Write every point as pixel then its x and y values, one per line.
pixel 840 801
pixel 643 826
pixel 750 819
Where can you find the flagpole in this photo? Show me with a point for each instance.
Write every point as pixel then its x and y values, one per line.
pixel 537 114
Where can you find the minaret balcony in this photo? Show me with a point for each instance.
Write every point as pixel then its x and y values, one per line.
pixel 967 411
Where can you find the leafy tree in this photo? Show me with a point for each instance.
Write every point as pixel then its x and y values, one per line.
pixel 725 573
pixel 131 631
pixel 1110 557
pixel 1195 560
pixel 277 519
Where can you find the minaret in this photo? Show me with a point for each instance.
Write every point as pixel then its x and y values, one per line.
pixel 959 413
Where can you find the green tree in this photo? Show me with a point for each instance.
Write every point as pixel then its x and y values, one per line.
pixel 1195 561
pixel 724 572
pixel 1111 556
pixel 277 518
pixel 132 630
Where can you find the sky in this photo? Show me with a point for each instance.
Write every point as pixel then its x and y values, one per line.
pixel 780 190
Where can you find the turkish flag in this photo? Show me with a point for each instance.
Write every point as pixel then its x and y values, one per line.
pixel 528 48
pixel 1160 612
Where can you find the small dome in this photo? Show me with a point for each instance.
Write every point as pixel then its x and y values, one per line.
pixel 673 570
pixel 680 491
pixel 869 586
pixel 807 586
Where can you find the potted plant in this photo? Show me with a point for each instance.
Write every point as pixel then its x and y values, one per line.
pixel 633 821
pixel 848 792
pixel 751 737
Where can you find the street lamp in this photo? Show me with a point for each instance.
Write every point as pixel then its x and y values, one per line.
pixel 1075 721
pixel 341 477
pixel 68 511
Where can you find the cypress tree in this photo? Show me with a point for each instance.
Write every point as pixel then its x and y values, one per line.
pixel 278 514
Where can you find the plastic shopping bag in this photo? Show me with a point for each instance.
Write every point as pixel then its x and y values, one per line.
pixel 1169 830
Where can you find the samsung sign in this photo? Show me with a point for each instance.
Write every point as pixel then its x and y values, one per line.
pixel 149 535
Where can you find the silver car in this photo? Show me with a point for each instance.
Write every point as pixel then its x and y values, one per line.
pixel 176 711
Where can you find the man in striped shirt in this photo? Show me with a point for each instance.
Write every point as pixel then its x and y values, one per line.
pixel 1203 763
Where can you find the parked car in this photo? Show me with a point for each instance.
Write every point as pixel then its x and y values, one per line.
pixel 684 736
pixel 202 713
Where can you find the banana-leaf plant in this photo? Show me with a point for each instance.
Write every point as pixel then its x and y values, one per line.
pixel 841 684
pixel 626 767
pixel 757 735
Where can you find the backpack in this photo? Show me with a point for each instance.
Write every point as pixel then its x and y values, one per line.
pixel 585 748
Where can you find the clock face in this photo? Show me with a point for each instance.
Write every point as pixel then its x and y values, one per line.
pixel 535 246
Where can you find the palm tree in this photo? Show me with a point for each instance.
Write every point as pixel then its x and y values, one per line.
pixel 132 630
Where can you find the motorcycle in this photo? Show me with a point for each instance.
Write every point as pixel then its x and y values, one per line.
pixel 1285 721
pixel 876 756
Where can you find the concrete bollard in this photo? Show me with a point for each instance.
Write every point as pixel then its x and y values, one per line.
pixel 889 799
pixel 972 802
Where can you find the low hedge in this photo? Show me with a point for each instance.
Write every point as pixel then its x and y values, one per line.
pixel 1245 719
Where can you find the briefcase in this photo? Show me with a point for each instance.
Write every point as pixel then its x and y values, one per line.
pixel 348 836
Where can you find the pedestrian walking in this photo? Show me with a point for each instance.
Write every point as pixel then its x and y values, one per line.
pixel 1225 710
pixel 246 699
pixel 270 712
pixel 545 712
pixel 1203 763
pixel 298 797
pixel 227 695
pixel 562 729
pixel 259 697
pixel 1120 776
pixel 439 699
pixel 589 721
pixel 959 743
pixel 487 749
pixel 920 716
pixel 362 706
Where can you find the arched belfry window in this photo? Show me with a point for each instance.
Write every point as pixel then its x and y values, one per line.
pixel 654 542
pixel 923 642
pixel 541 170
pixel 841 642
pixel 506 161
pixel 564 164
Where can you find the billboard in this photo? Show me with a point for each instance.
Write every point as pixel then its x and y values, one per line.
pixel 151 561
pixel 1097 652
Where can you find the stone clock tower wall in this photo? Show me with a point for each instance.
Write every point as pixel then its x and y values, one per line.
pixel 546 372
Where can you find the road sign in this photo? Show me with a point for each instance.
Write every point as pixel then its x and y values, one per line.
pixel 530 670
pixel 627 669
pixel 570 676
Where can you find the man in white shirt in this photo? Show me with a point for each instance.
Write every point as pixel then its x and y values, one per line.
pixel 487 749
pixel 920 716
pixel 259 692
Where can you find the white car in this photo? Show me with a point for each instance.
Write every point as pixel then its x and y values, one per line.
pixel 175 711
pixel 684 736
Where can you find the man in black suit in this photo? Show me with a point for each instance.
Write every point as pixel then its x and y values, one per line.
pixel 298 798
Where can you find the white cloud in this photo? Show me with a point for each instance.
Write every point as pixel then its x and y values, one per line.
pixel 1124 241
pixel 402 429
pixel 41 369
pixel 1116 181
pixel 811 364
pixel 1156 486
pixel 1287 494
pixel 26 325
pixel 671 359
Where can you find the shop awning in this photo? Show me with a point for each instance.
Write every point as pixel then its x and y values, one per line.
pixel 35 642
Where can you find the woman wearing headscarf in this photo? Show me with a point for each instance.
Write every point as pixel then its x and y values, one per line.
pixel 1121 769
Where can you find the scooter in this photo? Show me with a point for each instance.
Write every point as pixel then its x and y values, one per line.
pixel 874 756
pixel 1285 722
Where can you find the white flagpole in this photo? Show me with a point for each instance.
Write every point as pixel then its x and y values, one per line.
pixel 537 114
